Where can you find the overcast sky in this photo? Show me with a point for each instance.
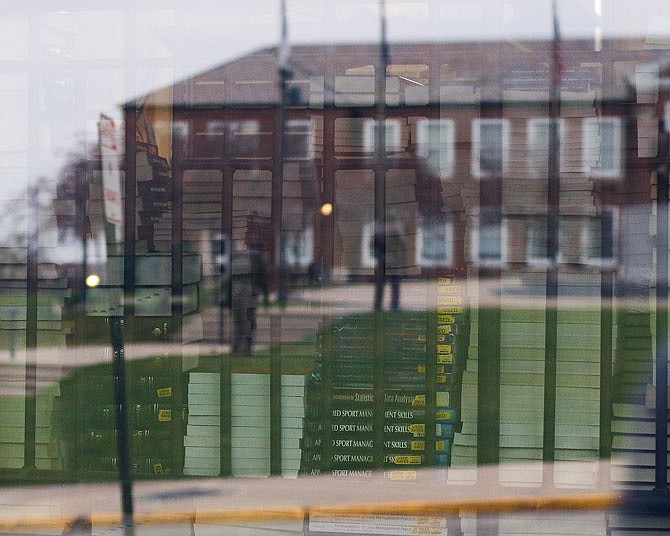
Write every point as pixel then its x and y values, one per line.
pixel 92 55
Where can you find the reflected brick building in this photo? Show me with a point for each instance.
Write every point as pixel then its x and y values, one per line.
pixel 463 182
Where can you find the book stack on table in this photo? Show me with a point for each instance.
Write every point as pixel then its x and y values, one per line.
pixel 202 442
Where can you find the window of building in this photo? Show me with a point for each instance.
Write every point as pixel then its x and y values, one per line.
pixel 299 138
pixel 601 153
pixel 490 145
pixel 435 244
pixel 299 247
pixel 435 143
pixel 488 239
pixel 392 135
pixel 368 246
pixel 210 141
pixel 245 138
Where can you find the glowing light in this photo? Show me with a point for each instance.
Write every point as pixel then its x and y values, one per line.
pixel 93 280
pixel 326 209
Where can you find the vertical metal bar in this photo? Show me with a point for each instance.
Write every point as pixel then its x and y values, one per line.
pixel 226 246
pixel 177 245
pixel 275 320
pixel 379 240
pixel 430 382
pixel 275 396
pixel 327 351
pixel 661 454
pixel 31 331
pixel 278 235
pixel 488 382
pixel 225 424
pixel 489 311
pixel 129 215
pixel 177 298
pixel 551 303
pixel 117 325
pixel 123 438
pixel 606 349
pixel 278 172
pixel 551 291
pixel 84 174
pixel 380 168
pixel 326 246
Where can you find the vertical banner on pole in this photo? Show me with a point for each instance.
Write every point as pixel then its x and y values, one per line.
pixel 111 153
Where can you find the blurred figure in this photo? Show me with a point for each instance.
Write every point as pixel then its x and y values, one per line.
pixel 392 246
pixel 249 279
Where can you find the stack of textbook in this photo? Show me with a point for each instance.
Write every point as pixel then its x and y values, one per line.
pixel 48 447
pixel 464 447
pixel 522 383
pixel 578 379
pixel 634 445
pixel 202 442
pixel 250 425
pixel 522 361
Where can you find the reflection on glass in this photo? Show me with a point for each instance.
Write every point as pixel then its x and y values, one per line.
pixel 221 235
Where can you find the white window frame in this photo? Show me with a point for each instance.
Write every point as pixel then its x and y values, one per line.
pixel 538 148
pixel 368 259
pixel 307 126
pixel 477 147
pixel 591 147
pixel 392 134
pixel 439 153
pixel 474 246
pixel 448 260
pixel 303 241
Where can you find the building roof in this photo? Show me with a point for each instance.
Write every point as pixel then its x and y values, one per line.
pixel 418 74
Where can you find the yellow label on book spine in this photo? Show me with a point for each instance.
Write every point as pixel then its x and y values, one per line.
pixel 401 475
pixel 445 359
pixel 426 531
pixel 419 401
pixel 407 460
pixel 164 392
pixel 449 311
pixel 164 415
pixel 417 429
